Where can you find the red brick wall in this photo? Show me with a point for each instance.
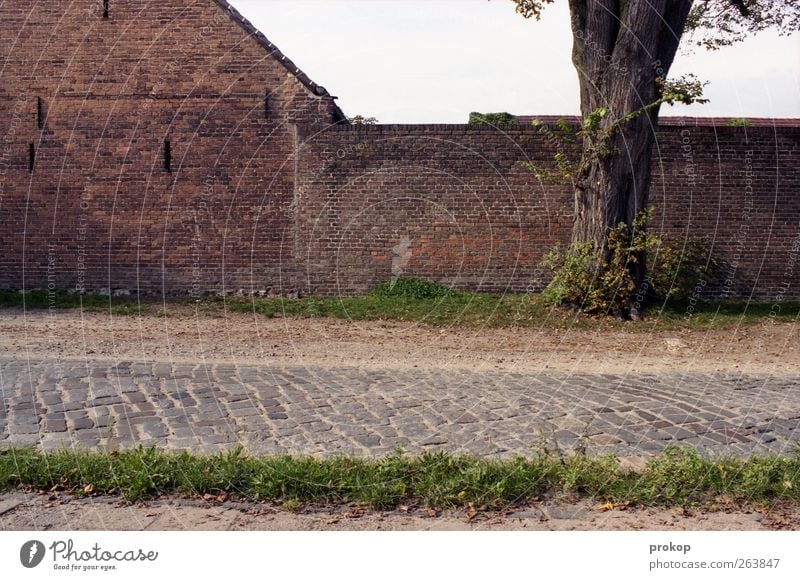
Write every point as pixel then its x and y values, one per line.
pixel 242 211
pixel 452 203
pixel 99 211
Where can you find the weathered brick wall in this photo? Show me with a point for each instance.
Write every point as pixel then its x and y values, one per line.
pixel 452 203
pixel 243 210
pixel 97 99
pixel 452 199
pixel 739 188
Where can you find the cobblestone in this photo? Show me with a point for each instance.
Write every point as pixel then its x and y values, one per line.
pixel 332 411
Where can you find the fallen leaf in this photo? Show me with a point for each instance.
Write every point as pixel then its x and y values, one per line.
pixel 355 514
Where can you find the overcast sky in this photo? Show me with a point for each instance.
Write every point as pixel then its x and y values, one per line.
pixel 424 61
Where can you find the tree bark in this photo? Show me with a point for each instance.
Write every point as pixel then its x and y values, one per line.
pixel 621 48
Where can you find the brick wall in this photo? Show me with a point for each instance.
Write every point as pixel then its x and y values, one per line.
pixel 453 203
pixel 265 196
pixel 98 99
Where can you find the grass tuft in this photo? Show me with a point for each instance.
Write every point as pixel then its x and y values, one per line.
pixel 415 288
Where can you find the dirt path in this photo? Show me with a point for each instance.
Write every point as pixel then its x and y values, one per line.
pixel 251 339
pixel 44 512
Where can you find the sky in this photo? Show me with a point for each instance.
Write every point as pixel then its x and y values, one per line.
pixel 435 61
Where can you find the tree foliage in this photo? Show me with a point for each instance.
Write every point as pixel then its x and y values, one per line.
pixel 492 119
pixel 362 120
pixel 716 23
pixel 711 23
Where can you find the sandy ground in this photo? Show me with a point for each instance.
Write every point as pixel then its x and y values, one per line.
pixel 50 512
pixel 251 339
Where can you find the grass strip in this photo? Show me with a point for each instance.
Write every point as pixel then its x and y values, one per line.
pixel 429 303
pixel 677 477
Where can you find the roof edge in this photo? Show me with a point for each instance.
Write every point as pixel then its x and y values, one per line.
pixel 259 36
pixel 680 120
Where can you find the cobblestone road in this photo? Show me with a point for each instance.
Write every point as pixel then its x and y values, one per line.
pixel 323 411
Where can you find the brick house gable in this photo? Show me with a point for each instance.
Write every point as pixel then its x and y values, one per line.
pixel 259 36
pixel 276 53
pixel 124 134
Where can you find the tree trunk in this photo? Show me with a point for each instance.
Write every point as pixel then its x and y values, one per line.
pixel 621 48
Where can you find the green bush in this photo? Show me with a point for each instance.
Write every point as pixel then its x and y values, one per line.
pixel 574 275
pixel 582 278
pixel 677 270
